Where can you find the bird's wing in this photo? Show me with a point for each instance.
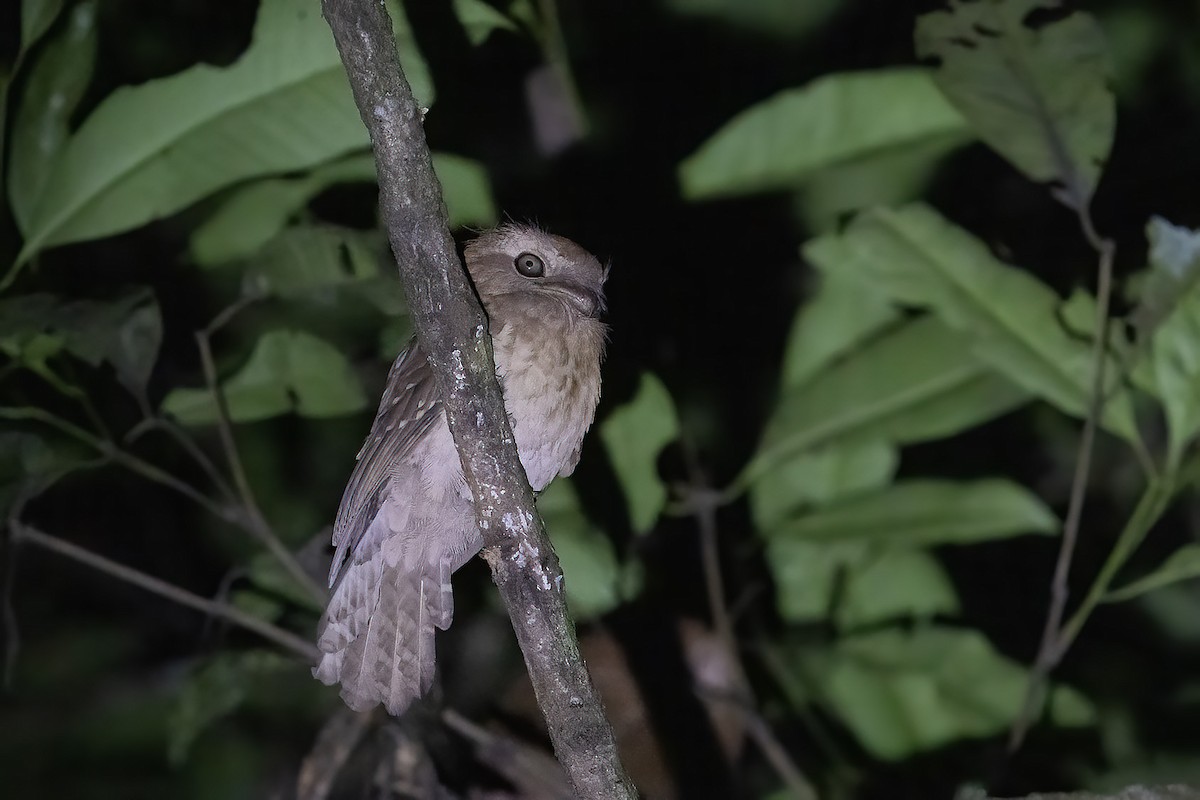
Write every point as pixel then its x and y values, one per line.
pixel 409 408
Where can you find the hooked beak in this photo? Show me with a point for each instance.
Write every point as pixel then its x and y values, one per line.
pixel 588 302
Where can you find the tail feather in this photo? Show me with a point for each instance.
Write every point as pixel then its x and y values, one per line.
pixel 377 638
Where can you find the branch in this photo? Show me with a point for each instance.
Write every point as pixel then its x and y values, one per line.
pixel 452 330
pixel 285 639
pixel 1051 649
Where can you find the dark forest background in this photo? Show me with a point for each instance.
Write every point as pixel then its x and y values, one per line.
pixel 812 540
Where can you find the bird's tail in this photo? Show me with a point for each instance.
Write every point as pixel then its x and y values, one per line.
pixel 377 636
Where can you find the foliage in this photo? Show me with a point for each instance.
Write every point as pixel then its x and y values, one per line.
pixel 195 256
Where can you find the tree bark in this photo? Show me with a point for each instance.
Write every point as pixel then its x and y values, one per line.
pixel 452 329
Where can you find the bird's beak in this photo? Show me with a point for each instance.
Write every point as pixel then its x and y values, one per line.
pixel 588 302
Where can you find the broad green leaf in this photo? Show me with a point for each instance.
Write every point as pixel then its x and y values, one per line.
pixel 892 177
pixel 55 86
pixel 215 690
pixel 1137 36
pixel 1005 315
pixel 840 315
pixel 782 18
pixel 1038 96
pixel 835 120
pixel 151 150
pixel 287 371
pixel 819 477
pixel 467 189
pixel 906 693
pixel 927 512
pixel 255 213
pixel 807 575
pixel 480 20
pixel 861 584
pixel 592 574
pixel 1182 565
pixel 894 584
pixel 634 435
pixel 920 381
pixel 1169 316
pixel 36 18
pixel 307 259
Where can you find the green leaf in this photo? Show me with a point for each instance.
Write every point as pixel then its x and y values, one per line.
pixel 1010 318
pixel 266 573
pixel 307 259
pixel 905 693
pixel 928 512
pixel 920 381
pixel 467 189
pixel 593 576
pixel 860 583
pixel 253 214
pixel 36 18
pixel 29 466
pixel 125 332
pixel 214 691
pixel 894 584
pixel 1039 97
pixel 55 86
pixel 781 18
pixel 841 314
pixel 1174 272
pixel 1182 565
pixel 836 120
pixel 287 371
pixel 480 20
pixel 151 150
pixel 819 477
pixel 634 434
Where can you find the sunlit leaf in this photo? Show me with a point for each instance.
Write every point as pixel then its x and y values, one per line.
pixel 150 150
pixel 593 576
pixel 56 84
pixel 1182 565
pixel 835 120
pixel 1004 315
pixel 819 477
pixel 905 693
pixel 634 434
pixel 287 371
pixel 927 512
pixel 920 381
pixel 1037 95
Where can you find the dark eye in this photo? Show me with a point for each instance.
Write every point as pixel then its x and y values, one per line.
pixel 530 265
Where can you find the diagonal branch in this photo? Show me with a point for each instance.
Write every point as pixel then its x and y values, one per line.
pixel 452 330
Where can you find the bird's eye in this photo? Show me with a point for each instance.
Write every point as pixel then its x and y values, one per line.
pixel 530 265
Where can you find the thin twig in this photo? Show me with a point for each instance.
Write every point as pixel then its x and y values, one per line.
pixel 258 527
pixel 285 639
pixel 705 502
pixel 1050 653
pixel 152 422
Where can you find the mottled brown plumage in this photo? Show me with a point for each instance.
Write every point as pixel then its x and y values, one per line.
pixel 407 521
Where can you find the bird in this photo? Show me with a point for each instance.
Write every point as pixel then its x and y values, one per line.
pixel 406 521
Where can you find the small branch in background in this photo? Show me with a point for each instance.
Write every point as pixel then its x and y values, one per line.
pixel 704 501
pixel 152 422
pixel 452 330
pixel 285 639
pixel 1051 649
pixel 258 527
pixel 336 742
pixel 532 772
